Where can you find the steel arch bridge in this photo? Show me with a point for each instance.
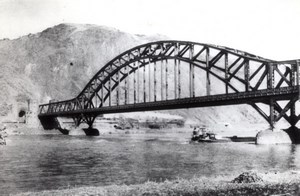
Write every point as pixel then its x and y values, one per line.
pixel 180 74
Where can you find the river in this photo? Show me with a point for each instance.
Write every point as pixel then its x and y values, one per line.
pixel 45 162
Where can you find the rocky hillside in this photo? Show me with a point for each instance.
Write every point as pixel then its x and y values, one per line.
pixel 58 62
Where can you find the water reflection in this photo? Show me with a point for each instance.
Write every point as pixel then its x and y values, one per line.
pixel 292 157
pixel 32 163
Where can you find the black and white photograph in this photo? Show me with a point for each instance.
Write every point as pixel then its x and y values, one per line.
pixel 149 98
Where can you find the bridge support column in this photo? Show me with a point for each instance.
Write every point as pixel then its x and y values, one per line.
pixel 166 80
pixel 293 130
pixel 126 86
pixel 175 79
pixel 270 85
pixel 226 72
pixel 144 82
pixel 297 76
pixel 246 75
pixel 270 76
pixel 149 82
pixel 271 117
pixel 175 71
pixel 102 95
pixel 138 83
pixel 90 131
pixel 179 80
pixel 192 73
pixel 77 120
pixel 161 80
pixel 155 81
pixel 109 92
pixel 207 73
pixel 89 120
pixel 118 89
pixel 49 123
pixel 134 84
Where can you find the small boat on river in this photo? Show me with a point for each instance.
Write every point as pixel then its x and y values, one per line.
pixel 200 135
pixel 208 138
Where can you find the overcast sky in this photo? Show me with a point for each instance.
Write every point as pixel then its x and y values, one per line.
pixel 269 28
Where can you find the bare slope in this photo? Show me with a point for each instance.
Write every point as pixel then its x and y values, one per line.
pixel 58 62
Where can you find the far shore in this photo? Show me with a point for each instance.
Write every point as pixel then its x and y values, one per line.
pixel 107 129
pixel 275 183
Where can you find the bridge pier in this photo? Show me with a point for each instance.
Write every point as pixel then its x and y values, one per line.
pixel 277 112
pixel 294 133
pixel 89 120
pixel 49 123
pixel 91 131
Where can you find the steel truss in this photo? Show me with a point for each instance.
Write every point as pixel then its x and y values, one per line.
pixel 141 76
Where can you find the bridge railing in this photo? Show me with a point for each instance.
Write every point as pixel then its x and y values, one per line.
pixel 53 107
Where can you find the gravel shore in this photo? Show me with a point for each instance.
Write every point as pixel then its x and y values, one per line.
pixel 275 183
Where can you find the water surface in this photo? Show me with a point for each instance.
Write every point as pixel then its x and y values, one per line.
pixel 45 162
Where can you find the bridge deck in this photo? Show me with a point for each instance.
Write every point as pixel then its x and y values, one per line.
pixel 263 96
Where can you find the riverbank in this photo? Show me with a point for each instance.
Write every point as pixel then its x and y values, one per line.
pixel 138 123
pixel 274 183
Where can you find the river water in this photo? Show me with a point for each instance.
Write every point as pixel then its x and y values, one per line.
pixel 45 162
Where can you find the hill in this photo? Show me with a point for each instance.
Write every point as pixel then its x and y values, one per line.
pixel 59 61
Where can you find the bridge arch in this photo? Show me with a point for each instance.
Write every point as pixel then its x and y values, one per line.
pixel 196 54
pixel 245 77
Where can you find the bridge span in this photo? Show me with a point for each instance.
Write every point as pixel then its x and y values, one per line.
pixel 178 74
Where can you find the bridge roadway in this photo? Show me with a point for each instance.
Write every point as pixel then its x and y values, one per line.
pixel 259 96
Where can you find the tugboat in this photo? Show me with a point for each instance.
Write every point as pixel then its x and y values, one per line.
pixel 201 135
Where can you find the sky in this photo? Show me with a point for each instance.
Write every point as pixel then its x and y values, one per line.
pixel 268 28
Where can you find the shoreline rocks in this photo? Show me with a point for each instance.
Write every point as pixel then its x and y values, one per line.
pixel 247 177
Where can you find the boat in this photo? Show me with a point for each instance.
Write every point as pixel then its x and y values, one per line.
pixel 209 138
pixel 213 140
pixel 241 139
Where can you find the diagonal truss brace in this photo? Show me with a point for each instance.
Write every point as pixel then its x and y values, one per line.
pixel 88 119
pixel 277 112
